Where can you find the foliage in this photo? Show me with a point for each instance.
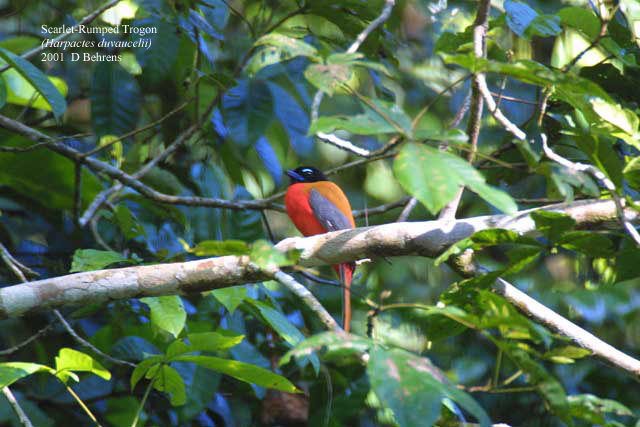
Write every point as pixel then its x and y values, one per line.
pixel 222 100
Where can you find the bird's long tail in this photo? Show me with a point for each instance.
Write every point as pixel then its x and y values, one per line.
pixel 345 271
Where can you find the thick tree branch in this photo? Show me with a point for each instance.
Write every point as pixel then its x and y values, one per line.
pixel 429 238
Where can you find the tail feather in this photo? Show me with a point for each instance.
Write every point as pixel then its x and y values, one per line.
pixel 345 271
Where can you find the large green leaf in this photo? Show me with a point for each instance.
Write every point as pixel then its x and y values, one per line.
pixel 218 248
pixel 579 92
pixel 278 48
pixel 230 297
pixel 379 117
pixel 158 59
pixel 328 77
pixel 11 372
pixel 72 360
pixel 413 388
pixel 593 408
pixel 167 313
pixel 434 177
pixel 43 176
pixel 283 327
pixel 93 259
pixel 204 341
pixel 168 380
pixel 38 80
pixel 243 372
pixel 115 100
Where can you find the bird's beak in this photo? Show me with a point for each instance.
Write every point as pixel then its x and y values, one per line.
pixel 295 176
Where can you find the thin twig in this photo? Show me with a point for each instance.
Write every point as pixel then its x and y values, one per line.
pixel 317 98
pixel 476 106
pixel 22 416
pixel 406 211
pixel 604 24
pixel 33 337
pixel 86 343
pixel 139 130
pixel 308 298
pixel 600 176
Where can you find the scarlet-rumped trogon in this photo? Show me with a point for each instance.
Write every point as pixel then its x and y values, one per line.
pixel 316 206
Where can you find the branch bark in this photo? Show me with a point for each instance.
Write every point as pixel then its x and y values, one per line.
pixel 429 238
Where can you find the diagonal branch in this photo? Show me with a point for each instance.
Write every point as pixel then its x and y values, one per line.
pixel 553 320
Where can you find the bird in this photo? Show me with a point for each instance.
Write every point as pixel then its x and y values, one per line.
pixel 317 206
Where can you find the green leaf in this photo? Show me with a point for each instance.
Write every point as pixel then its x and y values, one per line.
pixel 11 372
pixel 566 354
pixel 143 367
pixel 278 322
pixel 38 80
pixel 248 110
pixel 230 297
pixel 621 118
pixel 204 341
pixel 453 135
pixel 266 257
pixel 243 372
pixel 547 385
pixel 3 92
pixel 128 223
pixel 168 380
pixel 413 388
pixel 552 224
pixel 379 117
pixel 93 259
pixel 332 346
pixel 44 177
pixel 593 408
pixel 328 77
pixel 278 48
pixel 115 100
pixel 498 236
pixel 587 242
pixel 577 91
pixel 158 60
pixel 631 173
pixel 526 22
pixel 73 360
pixel 167 313
pixel 434 177
pixel 218 248
pixel 283 327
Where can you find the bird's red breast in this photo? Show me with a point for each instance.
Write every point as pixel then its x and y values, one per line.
pixel 299 205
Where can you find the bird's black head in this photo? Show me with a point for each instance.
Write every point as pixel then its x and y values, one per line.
pixel 306 174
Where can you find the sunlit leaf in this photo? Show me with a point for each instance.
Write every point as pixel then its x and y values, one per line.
pixel 243 372
pixel 167 313
pixel 72 360
pixel 38 80
pixel 93 259
pixel 434 177
pixel 11 372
